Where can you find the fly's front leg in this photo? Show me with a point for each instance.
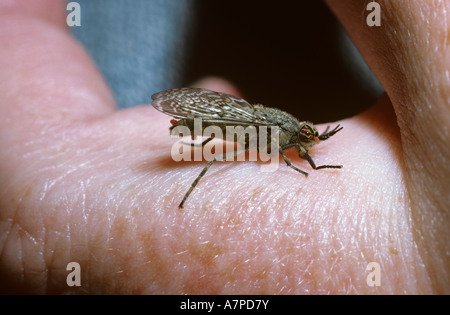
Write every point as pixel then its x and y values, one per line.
pixel 313 165
pixel 304 154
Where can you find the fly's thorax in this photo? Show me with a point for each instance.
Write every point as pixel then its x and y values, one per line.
pixel 288 124
pixel 277 117
pixel 287 137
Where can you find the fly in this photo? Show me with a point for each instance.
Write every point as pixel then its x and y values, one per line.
pixel 222 110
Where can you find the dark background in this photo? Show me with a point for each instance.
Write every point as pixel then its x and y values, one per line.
pixel 284 54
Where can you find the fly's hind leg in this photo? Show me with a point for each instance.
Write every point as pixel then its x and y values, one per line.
pixel 192 144
pixel 205 169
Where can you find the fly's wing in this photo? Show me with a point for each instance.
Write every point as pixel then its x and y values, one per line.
pixel 211 106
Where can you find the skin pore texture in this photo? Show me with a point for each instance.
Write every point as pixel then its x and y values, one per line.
pixel 83 182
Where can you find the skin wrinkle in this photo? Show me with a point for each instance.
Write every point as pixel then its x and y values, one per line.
pixel 28 228
pixel 49 197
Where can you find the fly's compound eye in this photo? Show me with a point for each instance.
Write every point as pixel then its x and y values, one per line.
pixel 306 133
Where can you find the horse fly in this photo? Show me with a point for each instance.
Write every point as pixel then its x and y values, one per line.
pixel 222 110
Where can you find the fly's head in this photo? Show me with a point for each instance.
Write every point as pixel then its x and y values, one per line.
pixel 307 135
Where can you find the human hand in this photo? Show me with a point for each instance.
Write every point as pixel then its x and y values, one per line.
pixel 81 181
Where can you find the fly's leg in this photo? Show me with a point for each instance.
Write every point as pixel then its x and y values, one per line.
pixel 313 165
pixel 327 134
pixel 288 163
pixel 203 172
pixel 304 154
pixel 196 144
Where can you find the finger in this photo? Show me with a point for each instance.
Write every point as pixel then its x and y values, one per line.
pixel 218 85
pixel 410 56
pixel 47 78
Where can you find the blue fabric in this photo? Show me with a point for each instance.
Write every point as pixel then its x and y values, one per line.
pixel 139 45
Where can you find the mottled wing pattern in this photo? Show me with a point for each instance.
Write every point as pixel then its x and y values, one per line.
pixel 209 105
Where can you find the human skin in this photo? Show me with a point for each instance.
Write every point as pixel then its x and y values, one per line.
pixel 83 182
